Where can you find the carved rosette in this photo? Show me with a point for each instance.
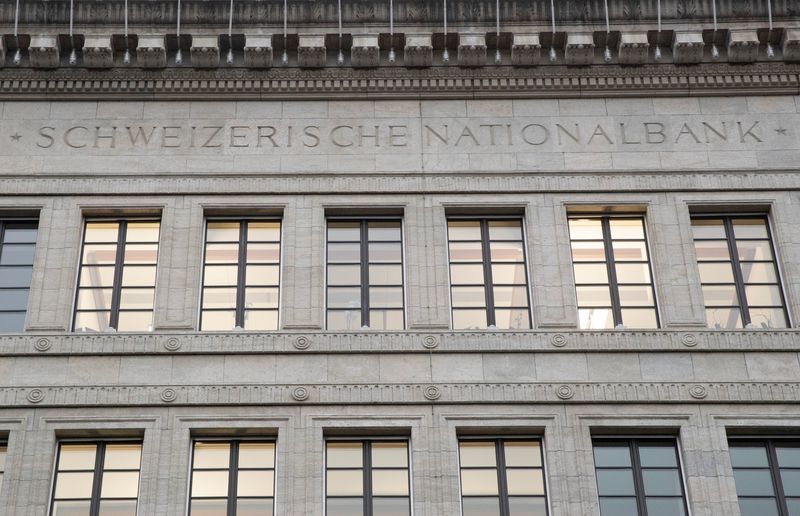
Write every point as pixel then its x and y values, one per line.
pixel 43 344
pixel 430 341
pixel 300 394
pixel 432 393
pixel 565 392
pixel 558 340
pixel 169 395
pixel 302 342
pixel 35 395
pixel 698 392
pixel 689 340
pixel 172 344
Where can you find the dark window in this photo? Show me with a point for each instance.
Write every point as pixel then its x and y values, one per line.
pixel 97 478
pixel 117 277
pixel 613 279
pixel 365 275
pixel 369 478
pixel 639 477
pixel 232 478
pixel 738 272
pixel 502 477
pixel 488 274
pixel 3 450
pixel 767 474
pixel 241 275
pixel 17 246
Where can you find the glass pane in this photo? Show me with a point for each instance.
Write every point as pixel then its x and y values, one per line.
pixel 254 507
pixel 222 253
pixel 97 277
pixel 612 456
pixel 794 507
pixel 3 450
pixel 753 483
pixel 255 483
pixel 630 251
pixel 344 231
pixel 12 322
pixel 510 296
pixel 264 231
pixel 17 254
pixel 141 253
pixel 507 252
pixel 122 456
pixel 101 232
pixel 636 296
pixel 263 253
pixel 117 508
pixel 750 228
pixel 712 250
pixel 389 455
pixel 257 455
pixel 723 318
pixel 384 252
pixel 527 506
pixel 219 297
pixel 505 230
pixel 344 253
pixel 469 319
pixel 508 274
pixel 464 230
pixel 759 272
pixel 210 483
pixel 138 276
pixel 135 321
pixel 618 507
pixel 633 273
pixel 749 457
pixel 344 482
pixel 345 274
pixel 209 508
pixel 590 273
pixel 97 321
pixel 512 319
pixel 344 320
pixel 708 228
pixel 19 234
pixel 615 482
pixel 344 455
pixel 345 507
pixel 466 252
pixel 74 485
pixel 661 482
pixel 18 276
pixel 136 298
pixel 750 250
pixel 788 457
pixel 211 455
pixel 585 229
pixel 665 507
pixel 390 482
pixel 596 318
pixel 466 274
pixel 472 454
pixel 222 275
pixel 261 320
pixel 389 230
pixel 218 321
pixel 481 506
pixel 390 507
pixel 594 296
pixel 626 228
pixel 522 453
pixel 386 297
pixel 758 507
pixel 763 295
pixel 716 272
pixel 93 254
pixel 142 232
pixel 469 296
pixel 478 482
pixel 261 297
pixel 222 232
pixel 13 299
pixel 768 318
pixel 386 319
pixel 658 457
pixel 71 508
pixel 639 318
pixel 720 295
pixel 344 297
pixel 525 481
pixel 385 275
pixel 120 484
pixel 262 275
pixel 791 482
pixel 588 251
pixel 76 457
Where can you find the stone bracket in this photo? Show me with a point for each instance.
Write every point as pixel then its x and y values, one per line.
pixel 44 52
pixel 687 47
pixel 526 50
pixel 97 52
pixel 579 50
pixel 205 51
pixel 419 50
pixel 471 50
pixel 311 51
pixel 258 51
pixel 365 52
pixel 791 45
pixel 743 46
pixel 634 48
pixel 151 51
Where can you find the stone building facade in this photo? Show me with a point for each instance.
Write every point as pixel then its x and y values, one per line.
pixel 549 273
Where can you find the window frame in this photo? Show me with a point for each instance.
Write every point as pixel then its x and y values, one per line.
pixel 735 261
pixel 500 465
pixel 773 465
pixel 366 462
pixel 97 472
pixel 34 223
pixel 364 264
pixel 119 266
pixel 486 262
pixel 241 264
pixel 233 470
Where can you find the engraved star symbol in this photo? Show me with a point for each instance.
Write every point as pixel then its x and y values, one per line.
pixel 781 131
pixel 16 137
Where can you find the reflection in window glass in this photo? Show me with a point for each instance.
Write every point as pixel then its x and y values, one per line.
pixel 241 275
pixel 97 478
pixel 502 476
pixel 738 272
pixel 232 477
pixel 365 275
pixel 613 280
pixel 639 477
pixel 17 246
pixel 488 277
pixel 117 277
pixel 767 475
pixel 367 477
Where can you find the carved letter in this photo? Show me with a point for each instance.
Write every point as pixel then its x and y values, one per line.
pixel 429 131
pixel 685 129
pixel 467 133
pixel 169 139
pixel 398 135
pixel 374 136
pixel 266 132
pixel 335 139
pixel 529 140
pixel 68 134
pixel 722 135
pixel 599 131
pixel 312 131
pixel 575 137
pixel 98 137
pixel 744 134
pixel 236 136
pixel 492 133
pixel 625 139
pixel 217 130
pixel 659 131
pixel 140 133
pixel 49 140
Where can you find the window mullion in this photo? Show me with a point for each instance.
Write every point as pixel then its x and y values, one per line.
pixel 738 278
pixel 638 478
pixel 364 235
pixel 233 477
pixel 488 280
pixel 502 481
pixel 97 484
pixel 241 276
pixel 775 473
pixel 612 271
pixel 116 293
pixel 367 478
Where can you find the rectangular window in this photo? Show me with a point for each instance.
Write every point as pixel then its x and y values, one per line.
pixel 488 274
pixel 17 246
pixel 613 279
pixel 767 474
pixel 241 275
pixel 639 477
pixel 368 478
pixel 96 478
pixel 117 277
pixel 365 275
pixel 738 272
pixel 502 477
pixel 232 478
pixel 3 452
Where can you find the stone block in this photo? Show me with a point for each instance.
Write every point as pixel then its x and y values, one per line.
pixel 258 51
pixel 97 52
pixel 791 45
pixel 151 52
pixel 311 51
pixel 419 50
pixel 743 46
pixel 579 50
pixel 687 47
pixel 44 51
pixel 526 50
pixel 205 51
pixel 365 52
pixel 471 50
pixel 634 48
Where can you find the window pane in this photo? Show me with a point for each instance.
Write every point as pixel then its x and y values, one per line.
pixel 345 506
pixel 527 506
pixel 139 276
pixel 753 483
pixel 261 320
pixel 141 253
pixel 13 299
pixel 254 507
pixel 665 507
pixel 344 297
pixel 658 457
pixel 209 508
pixel 478 482
pixel 590 273
pixel 585 229
pixel 788 457
pixel 218 321
pixel 120 484
pixel 117 508
pixel 344 320
pixel 76 457
pixel 222 253
pixel 636 296
pixel 344 455
pixel 723 318
pixel 481 506
pixel 720 295
pixel 136 298
pixel 759 273
pixel 594 296
pixel 12 322
pixel 142 232
pixel 74 485
pixel 508 274
pixel 639 318
pixel 507 251
pixel 615 482
pixel 345 274
pixel 386 297
pixel 344 231
pixel 256 275
pixel 71 508
pixel 466 252
pixel 768 317
pixel 16 276
pixel 97 321
pixel 630 251
pixel 264 231
pixel 210 484
pixel 257 455
pixel 469 319
pixel 763 295
pixel 17 254
pixel 626 228
pixel 469 296
pixel 708 228
pixel 122 456
pixel 211 455
pixel 472 454
pixel 791 482
pixel 749 457
pixel 97 276
pixel 344 253
pixel 794 507
pixel 618 507
pixel 588 251
pixel 758 507
pixel 389 230
pixel 94 254
pixel 522 453
pixel 386 319
pixel 596 318
pixel 661 482
pixel 261 297
pixel 135 321
pixel 389 455
pixel 344 482
pixel 754 250
pixel 750 228
pixel 384 252
pixel 525 481
pixel 21 233
pixel 612 456
pixel 464 230
pixel 510 296
pixel 505 230
pixel 390 482
pixel 222 275
pixel 255 483
pixel 390 507
pixel 263 253
pixel 219 297
pixel 222 232
pixel 633 273
pixel 466 274
pixel 385 275
pixel 716 272
pixel 712 250
pixel 512 319
pixel 101 232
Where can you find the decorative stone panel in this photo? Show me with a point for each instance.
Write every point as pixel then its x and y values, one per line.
pixel 44 51
pixel 258 51
pixel 97 52
pixel 205 51
pixel 151 51
pixel 471 50
pixel 687 47
pixel 743 46
pixel 579 50
pixel 526 50
pixel 419 50
pixel 365 52
pixel 791 45
pixel 634 48
pixel 311 51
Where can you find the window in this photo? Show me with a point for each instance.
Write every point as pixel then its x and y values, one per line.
pixel 502 477
pixel 767 474
pixel 613 279
pixel 232 478
pixel 96 479
pixel 738 272
pixel 488 274
pixel 365 275
pixel 3 450
pixel 17 245
pixel 117 277
pixel 367 477
pixel 241 275
pixel 639 477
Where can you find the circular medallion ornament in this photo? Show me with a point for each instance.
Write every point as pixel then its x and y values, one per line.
pixel 698 392
pixel 558 340
pixel 565 392
pixel 689 340
pixel 35 395
pixel 169 395
pixel 430 341
pixel 300 394
pixel 432 392
pixel 43 344
pixel 302 342
pixel 172 344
